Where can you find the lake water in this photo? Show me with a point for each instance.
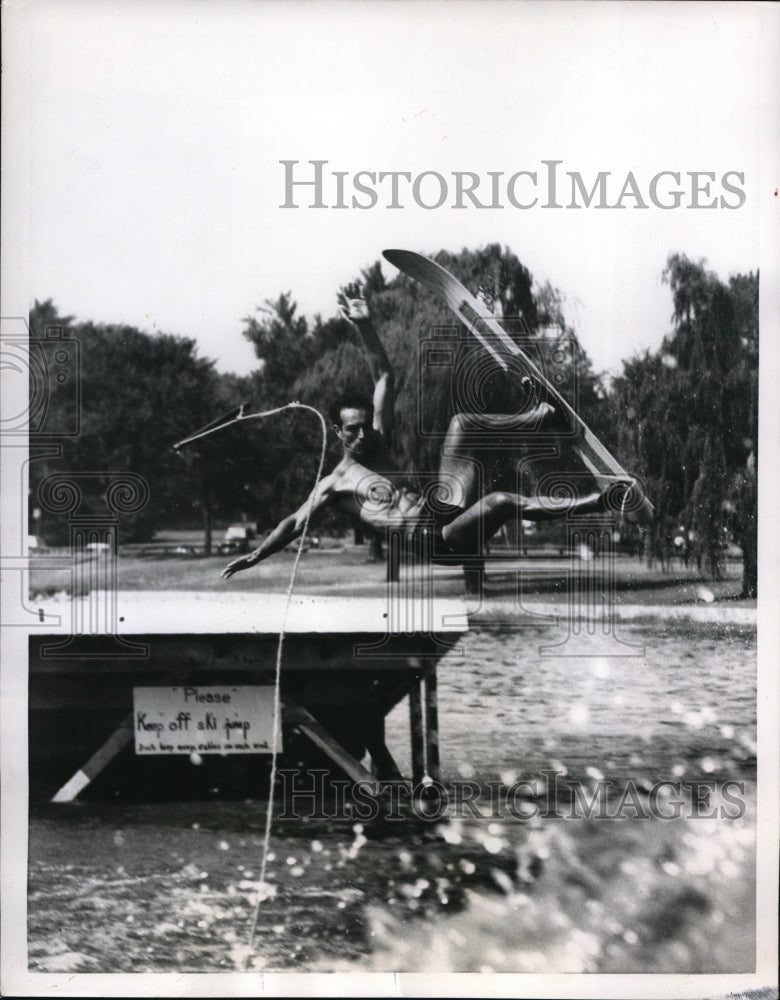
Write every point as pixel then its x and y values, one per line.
pixel 119 886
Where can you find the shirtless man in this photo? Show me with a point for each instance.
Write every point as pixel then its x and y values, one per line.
pixel 449 520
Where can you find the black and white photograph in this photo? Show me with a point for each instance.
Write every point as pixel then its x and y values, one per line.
pixel 389 463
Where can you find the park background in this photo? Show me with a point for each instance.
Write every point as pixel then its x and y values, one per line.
pixel 149 194
pixel 683 418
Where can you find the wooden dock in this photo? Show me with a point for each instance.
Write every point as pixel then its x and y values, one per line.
pixel 345 665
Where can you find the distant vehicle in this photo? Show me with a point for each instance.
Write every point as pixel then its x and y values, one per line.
pixel 97 547
pixel 239 538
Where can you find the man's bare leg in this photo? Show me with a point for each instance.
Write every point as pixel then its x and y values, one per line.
pixel 471 436
pixel 467 533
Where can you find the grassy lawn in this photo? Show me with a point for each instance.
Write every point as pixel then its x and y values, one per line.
pixel 347 570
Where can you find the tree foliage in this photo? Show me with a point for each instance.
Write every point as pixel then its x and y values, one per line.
pixel 139 394
pixel 689 417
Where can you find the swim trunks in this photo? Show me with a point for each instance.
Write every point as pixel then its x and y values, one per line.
pixel 426 540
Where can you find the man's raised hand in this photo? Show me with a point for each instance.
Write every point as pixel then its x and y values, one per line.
pixel 352 304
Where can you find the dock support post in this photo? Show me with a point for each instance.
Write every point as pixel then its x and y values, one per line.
pixel 383 765
pixel 474 578
pixel 432 724
pixel 416 729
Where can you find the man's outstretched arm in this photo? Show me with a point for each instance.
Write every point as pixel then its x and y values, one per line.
pixel 286 531
pixel 355 309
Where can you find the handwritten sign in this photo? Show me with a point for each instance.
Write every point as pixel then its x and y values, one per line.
pixel 203 720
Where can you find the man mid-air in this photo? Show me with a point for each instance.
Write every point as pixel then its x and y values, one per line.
pixel 454 518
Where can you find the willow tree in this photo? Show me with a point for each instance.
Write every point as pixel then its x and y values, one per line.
pixel 690 417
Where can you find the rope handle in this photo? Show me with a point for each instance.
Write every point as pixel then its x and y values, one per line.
pixel 237 416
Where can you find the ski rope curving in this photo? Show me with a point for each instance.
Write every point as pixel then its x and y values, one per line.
pixel 278 674
pixel 240 417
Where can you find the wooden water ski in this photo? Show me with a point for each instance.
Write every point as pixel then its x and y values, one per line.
pixel 596 458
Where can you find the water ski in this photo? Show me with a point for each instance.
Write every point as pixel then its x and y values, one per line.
pixel 587 455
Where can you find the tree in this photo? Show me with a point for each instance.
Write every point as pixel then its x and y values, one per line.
pixel 690 416
pixel 744 395
pixel 140 393
pixel 286 449
pixel 282 342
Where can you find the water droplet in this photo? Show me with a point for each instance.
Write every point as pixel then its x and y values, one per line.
pixel 450 834
pixel 579 715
